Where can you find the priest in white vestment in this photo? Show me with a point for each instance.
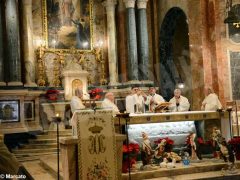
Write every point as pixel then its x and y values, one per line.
pixel 108 103
pixel 178 102
pixel 153 99
pixel 76 101
pixel 135 99
pixel 76 104
pixel 211 101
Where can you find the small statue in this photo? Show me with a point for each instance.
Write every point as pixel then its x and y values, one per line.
pixel 193 147
pixel 216 138
pixel 164 163
pixel 224 150
pixel 185 159
pixel 172 156
pixel 147 151
pixel 172 164
pixel 160 153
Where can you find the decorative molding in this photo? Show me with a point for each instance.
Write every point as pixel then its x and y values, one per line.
pixel 110 6
pixel 129 3
pixel 59 62
pixel 142 4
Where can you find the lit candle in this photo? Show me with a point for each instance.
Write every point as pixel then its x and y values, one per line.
pixel 57 115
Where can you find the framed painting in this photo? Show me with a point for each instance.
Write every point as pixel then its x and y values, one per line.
pixel 9 111
pixel 68 24
pixel 29 110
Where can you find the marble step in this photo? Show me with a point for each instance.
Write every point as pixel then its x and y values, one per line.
pixel 39 146
pixel 52 136
pixel 60 132
pixel 42 141
pixel 32 157
pixel 40 150
pixel 37 171
pixel 49 163
pixel 35 154
pixel 214 175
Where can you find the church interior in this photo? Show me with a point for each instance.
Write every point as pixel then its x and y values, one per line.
pixel 119 89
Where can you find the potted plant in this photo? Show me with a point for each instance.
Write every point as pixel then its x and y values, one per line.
pixel 52 95
pixel 96 93
pixel 130 153
pixel 235 144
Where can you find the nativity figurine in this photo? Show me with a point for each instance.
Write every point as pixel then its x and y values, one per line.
pixel 147 152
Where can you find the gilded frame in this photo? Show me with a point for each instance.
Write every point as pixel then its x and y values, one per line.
pixel 46 36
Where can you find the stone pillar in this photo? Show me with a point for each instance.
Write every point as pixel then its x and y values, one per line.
pixel 132 42
pixel 2 83
pixel 13 43
pixel 112 43
pixel 28 51
pixel 122 41
pixel 143 49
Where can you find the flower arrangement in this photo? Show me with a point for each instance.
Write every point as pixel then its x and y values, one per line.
pixel 168 143
pixel 131 151
pixel 52 94
pixel 96 93
pixel 235 143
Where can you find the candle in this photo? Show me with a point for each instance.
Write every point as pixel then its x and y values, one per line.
pixel 57 115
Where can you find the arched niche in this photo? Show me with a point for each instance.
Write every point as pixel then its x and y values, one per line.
pixel 175 66
pixel 75 77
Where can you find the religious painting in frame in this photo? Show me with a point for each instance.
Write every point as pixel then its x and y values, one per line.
pixel 67 24
pixel 29 110
pixel 9 111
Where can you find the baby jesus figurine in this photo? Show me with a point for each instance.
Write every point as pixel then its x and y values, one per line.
pixel 147 151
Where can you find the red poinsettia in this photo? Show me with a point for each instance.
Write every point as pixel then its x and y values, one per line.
pixel 52 94
pixel 168 141
pixel 131 148
pixel 96 93
pixel 130 154
pixel 235 143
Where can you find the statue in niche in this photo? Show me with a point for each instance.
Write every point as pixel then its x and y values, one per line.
pixel 147 152
pixel 76 84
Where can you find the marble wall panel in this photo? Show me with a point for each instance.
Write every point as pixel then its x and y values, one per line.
pixel 235 74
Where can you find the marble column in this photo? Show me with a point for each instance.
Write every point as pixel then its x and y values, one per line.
pixel 28 51
pixel 112 43
pixel 2 83
pixel 13 43
pixel 143 49
pixel 122 41
pixel 132 42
